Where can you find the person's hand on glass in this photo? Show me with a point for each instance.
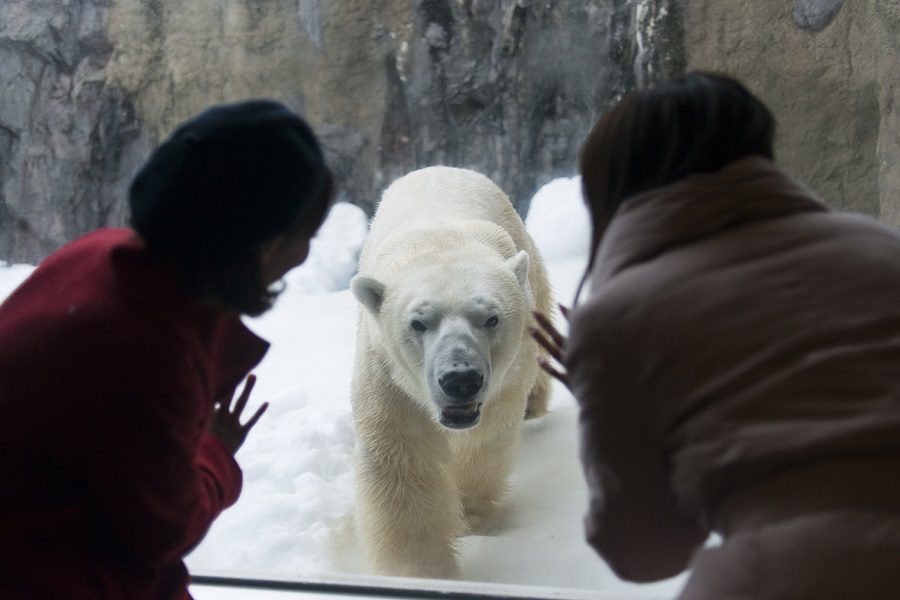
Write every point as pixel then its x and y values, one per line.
pixel 551 340
pixel 225 423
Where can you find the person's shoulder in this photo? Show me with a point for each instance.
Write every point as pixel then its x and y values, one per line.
pixel 850 235
pixel 105 237
pixel 77 265
pixel 854 221
pixel 78 299
pixel 98 242
pixel 78 275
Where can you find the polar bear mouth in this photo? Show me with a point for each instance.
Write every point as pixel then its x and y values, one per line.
pixel 461 416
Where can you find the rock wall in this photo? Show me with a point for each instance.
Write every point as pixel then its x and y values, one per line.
pixel 68 141
pixel 508 87
pixel 828 70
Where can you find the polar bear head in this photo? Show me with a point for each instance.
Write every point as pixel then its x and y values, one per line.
pixel 451 325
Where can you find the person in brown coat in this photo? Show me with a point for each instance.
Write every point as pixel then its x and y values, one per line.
pixel 736 361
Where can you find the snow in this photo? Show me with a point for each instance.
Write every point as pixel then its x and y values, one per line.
pixel 294 518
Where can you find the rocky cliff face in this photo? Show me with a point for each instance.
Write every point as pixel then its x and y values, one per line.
pixel 828 70
pixel 508 87
pixel 68 141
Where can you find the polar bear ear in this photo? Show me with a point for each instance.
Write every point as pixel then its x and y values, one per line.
pixel 369 292
pixel 519 265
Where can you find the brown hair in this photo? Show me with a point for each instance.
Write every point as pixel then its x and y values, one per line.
pixel 697 123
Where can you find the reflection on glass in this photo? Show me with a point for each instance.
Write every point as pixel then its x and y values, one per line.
pixel 296 516
pixel 506 88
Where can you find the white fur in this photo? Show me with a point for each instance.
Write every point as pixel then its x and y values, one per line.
pixel 446 249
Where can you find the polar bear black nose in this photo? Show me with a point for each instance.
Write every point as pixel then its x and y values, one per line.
pixel 461 384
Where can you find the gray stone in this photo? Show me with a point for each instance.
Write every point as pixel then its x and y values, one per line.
pixel 835 94
pixel 507 87
pixel 68 142
pixel 815 15
pixel 889 13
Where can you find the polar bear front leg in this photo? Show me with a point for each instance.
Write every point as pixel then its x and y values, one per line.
pixel 482 474
pixel 539 397
pixel 409 515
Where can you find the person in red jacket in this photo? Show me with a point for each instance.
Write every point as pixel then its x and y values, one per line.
pixel 121 353
pixel 735 360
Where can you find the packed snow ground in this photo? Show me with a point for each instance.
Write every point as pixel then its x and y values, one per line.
pixel 294 518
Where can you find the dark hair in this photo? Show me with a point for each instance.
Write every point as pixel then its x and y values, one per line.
pixel 697 123
pixel 223 184
pixel 237 282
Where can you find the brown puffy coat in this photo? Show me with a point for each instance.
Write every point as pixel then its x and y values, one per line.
pixel 737 363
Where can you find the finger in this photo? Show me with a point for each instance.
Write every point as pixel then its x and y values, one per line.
pixel 557 374
pixel 547 325
pixel 259 412
pixel 222 404
pixel 245 395
pixel 547 344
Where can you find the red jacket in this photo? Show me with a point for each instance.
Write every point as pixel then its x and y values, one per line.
pixel 107 378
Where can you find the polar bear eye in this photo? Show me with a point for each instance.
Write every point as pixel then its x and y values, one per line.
pixel 418 325
pixel 492 322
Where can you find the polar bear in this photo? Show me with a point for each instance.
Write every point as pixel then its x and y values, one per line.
pixel 445 369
